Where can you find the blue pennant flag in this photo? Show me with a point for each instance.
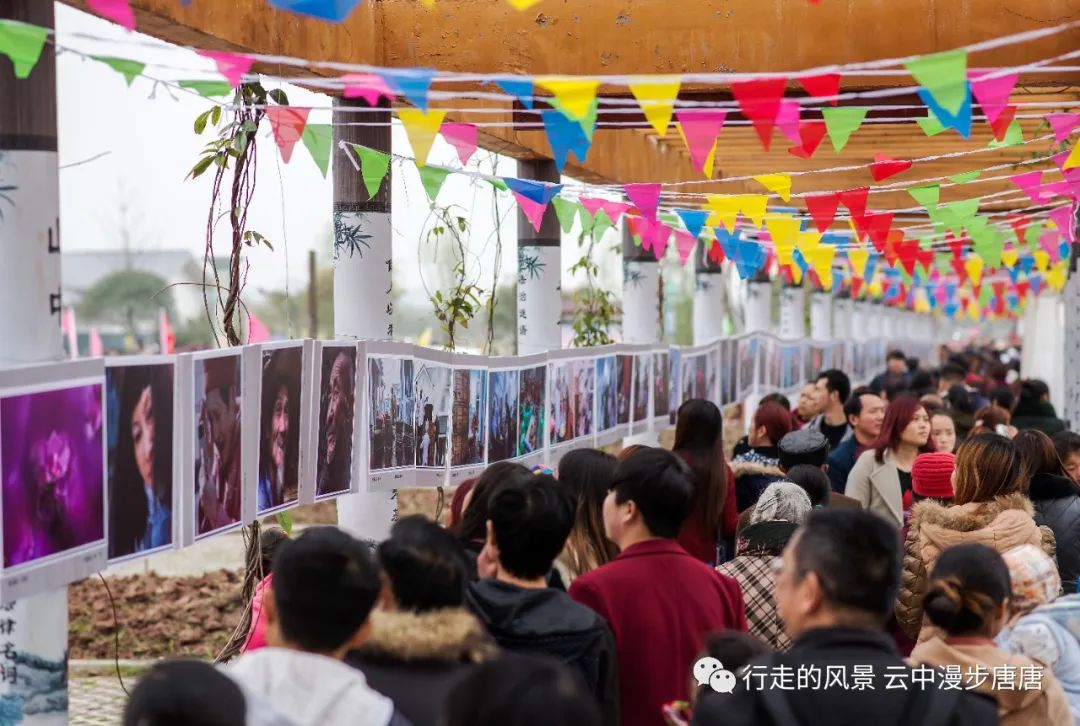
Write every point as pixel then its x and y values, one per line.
pixel 1014 273
pixel 1027 263
pixel 728 241
pixel 1037 283
pixel 950 289
pixel 694 220
pixel 333 10
pixel 565 136
pixel 521 89
pixel 539 192
pixel 412 83
pixel 961 120
pixel 950 308
pixel 749 257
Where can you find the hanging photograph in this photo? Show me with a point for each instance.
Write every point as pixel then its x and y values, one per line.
pixel 816 359
pixel 661 377
pixel 771 378
pixel 531 411
pixel 141 444
pixel 748 348
pixel 52 460
pixel 572 403
pixel 502 414
pixel 791 374
pixel 433 410
pixel 390 420
pixel 624 388
pixel 335 432
pixel 642 386
pixel 217 449
pixel 606 393
pixel 712 374
pixel 282 406
pixel 728 368
pixel 467 426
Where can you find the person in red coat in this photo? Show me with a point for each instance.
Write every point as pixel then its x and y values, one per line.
pixel 659 600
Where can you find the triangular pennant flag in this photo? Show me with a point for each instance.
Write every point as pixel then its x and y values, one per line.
pixel 784 232
pixel 716 252
pixel 1055 278
pixel 660 233
pixel 944 75
pixel 335 11
pixel 412 83
pixel 878 226
pixel 759 101
pixel 1074 158
pixel 965 177
pixel 811 133
pixel 1063 125
pixel 564 136
pixel 231 65
pixel 287 123
pixel 1009 257
pixel 656 95
pixel 432 177
pixel 842 122
pixel 1000 125
pixel 693 219
pixel 1033 233
pixel 822 208
pixel 858 256
pixel 779 184
pixel 645 197
pixel 821 260
pixel 855 201
pixel 885 166
pixel 575 95
pixel 588 124
pixel 927 196
pixel 118 11
pixel 599 224
pixel 566 211
pixel 725 210
pixel 462 137
pixel 993 93
pixel 319 139
pixel 825 86
pixel 22 43
pixel 1014 136
pixel 1028 183
pixel 753 206
pixel 539 192
pixel 1062 218
pixel 1042 260
pixel 533 211
pixel 129 69
pixel 421 128
pixel 521 88
pixel 684 243
pixel 700 127
pixel 373 167
pixel 959 121
pixel 206 89
pixel 930 125
pixel 367 86
pixel 973 266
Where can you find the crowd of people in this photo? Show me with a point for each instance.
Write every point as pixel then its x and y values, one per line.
pixel 902 553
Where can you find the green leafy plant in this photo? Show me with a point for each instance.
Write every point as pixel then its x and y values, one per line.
pixel 456 306
pixel 594 307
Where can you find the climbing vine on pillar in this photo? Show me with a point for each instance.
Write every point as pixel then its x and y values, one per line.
pixel 594 307
pixel 461 300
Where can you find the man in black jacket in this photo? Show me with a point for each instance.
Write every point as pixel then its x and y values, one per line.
pixel 835 586
pixel 529 520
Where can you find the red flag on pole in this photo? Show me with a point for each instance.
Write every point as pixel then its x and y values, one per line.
pixel 167 340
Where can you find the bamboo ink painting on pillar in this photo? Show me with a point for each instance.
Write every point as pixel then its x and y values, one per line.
pixel 391 420
pixel 531 410
pixel 52 463
pixel 217 428
pixel 282 406
pixel 336 372
pixel 502 415
pixel 433 410
pixel 141 438
pixel 468 428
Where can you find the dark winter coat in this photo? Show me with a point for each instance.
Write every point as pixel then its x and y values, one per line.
pixel 546 621
pixel 1038 415
pixel 1057 505
pixel 416 658
pixel 752 476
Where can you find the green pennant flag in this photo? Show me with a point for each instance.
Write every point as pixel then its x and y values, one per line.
pixel 22 43
pixel 930 125
pixel 1014 136
pixel 966 177
pixel 587 221
pixel 208 89
pixel 987 241
pixel 129 69
pixel 986 292
pixel 498 184
pixel 601 224
pixel 928 196
pixel 432 177
pixel 566 211
pixel 958 215
pixel 588 124
pixel 944 75
pixel 318 138
pixel 842 122
pixel 373 166
pixel 1032 234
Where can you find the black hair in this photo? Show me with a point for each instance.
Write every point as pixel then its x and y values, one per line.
pixel 813 480
pixel 185 692
pixel 954 370
pixel 325 585
pixel 281 369
pixel 853 407
pixel 778 398
pixel 922 382
pixel 836 381
pixel 856 557
pixel 587 475
pixel 896 355
pixel 967 586
pixel 531 517
pixel 1033 389
pixel 734 648
pixel 659 485
pixel 270 541
pixel 425 564
pixel 1003 397
pixel 1066 442
pixel 959 399
pixel 520 690
pixel 473 527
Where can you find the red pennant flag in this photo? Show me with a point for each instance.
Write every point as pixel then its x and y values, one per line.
pixel 759 101
pixel 824 86
pixel 885 166
pixel 908 252
pixel 716 252
pixel 1022 289
pixel 1001 124
pixel 1019 223
pixel 811 133
pixel 287 123
pixel 957 245
pixel 822 208
pixel 926 259
pixel 856 285
pixel 855 201
pixel 878 225
pixel 961 271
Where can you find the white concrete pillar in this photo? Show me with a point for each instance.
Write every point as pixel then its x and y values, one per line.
pixel 792 312
pixel 708 298
pixel 821 315
pixel 845 313
pixel 1044 344
pixel 758 307
pixel 641 293
pixel 539 306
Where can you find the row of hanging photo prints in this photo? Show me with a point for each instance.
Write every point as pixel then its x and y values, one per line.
pixel 108 460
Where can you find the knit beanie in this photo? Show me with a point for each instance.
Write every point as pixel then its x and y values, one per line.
pixel 1034 575
pixel 931 475
pixel 782 500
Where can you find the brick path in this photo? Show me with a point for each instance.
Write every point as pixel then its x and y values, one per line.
pixel 96 700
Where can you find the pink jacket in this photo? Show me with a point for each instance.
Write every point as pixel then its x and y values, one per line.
pixel 257 635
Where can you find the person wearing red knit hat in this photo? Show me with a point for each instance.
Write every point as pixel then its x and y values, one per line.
pixel 931 477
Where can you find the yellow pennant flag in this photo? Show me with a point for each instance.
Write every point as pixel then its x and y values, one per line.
pixel 922 304
pixel 431 3
pixel 796 275
pixel 1074 158
pixel 973 309
pixel 858 256
pixel 422 129
pixel 779 184
pixel 576 95
pixel 973 265
pixel 725 210
pixel 656 95
pixel 1055 277
pixel 753 207
pixel 1010 257
pixel 520 4
pixel 784 231
pixel 821 259
pixel 874 289
pixel 1042 259
pixel 809 240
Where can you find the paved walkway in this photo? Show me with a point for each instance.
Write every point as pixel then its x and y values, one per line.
pixel 96 700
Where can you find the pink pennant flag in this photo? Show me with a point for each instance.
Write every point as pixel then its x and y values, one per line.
pixel 592 205
pixel 1028 183
pixel 613 210
pixel 287 123
pixel 993 93
pixel 533 211
pixel 1049 241
pixel 231 65
pixel 642 229
pixel 700 127
pixel 257 332
pixel 787 120
pixel 97 349
pixel 1060 158
pixel 660 234
pixel 1063 218
pixel 367 86
pixel 645 197
pixel 118 11
pixel 1049 191
pixel 462 137
pixel 684 242
pixel 1063 124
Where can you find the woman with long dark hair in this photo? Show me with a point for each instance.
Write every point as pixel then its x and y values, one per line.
pixel 881 478
pixel 140 465
pixel 587 473
pixel 699 442
pixel 472 530
pixel 1056 499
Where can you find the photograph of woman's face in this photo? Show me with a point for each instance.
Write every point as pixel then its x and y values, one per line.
pixel 142 435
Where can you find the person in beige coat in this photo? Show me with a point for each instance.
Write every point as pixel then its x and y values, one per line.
pixel 881 477
pixel 989 508
pixel 968 601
